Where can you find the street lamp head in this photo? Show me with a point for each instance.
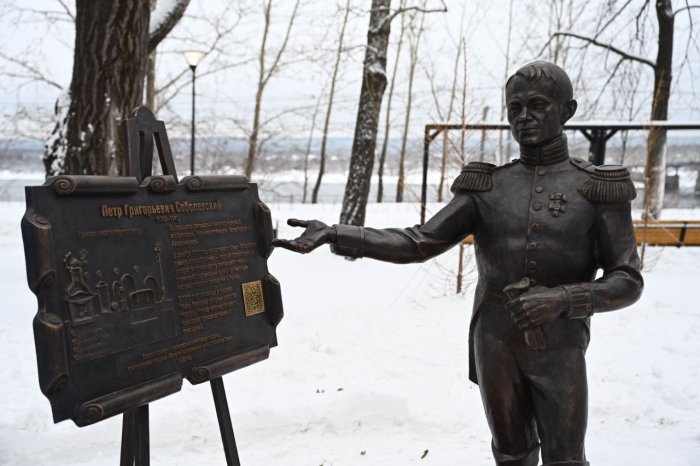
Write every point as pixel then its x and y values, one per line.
pixel 193 58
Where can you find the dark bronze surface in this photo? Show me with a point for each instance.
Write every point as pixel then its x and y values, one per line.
pixel 543 226
pixel 225 427
pixel 141 281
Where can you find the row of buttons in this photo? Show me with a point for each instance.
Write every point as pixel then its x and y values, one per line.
pixel 532 246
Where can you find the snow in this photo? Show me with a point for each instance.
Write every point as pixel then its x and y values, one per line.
pixel 164 8
pixel 57 140
pixel 372 369
pixel 376 68
pixel 35 177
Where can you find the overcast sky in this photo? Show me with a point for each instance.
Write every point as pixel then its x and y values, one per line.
pixel 226 97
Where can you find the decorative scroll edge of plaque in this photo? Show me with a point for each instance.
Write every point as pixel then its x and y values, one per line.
pixel 38 249
pixel 265 233
pixel 49 331
pixel 52 360
pixel 69 185
pixel 199 183
pixel 65 185
pixel 120 401
pixel 160 183
pixel 216 368
pixel 272 292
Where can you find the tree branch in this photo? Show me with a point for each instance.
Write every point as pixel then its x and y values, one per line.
pixel 613 18
pixel 607 82
pixel 165 99
pixel 387 21
pixel 34 73
pixel 170 19
pixel 689 43
pixel 66 9
pixel 609 47
pixel 637 18
pixel 278 56
pixel 685 8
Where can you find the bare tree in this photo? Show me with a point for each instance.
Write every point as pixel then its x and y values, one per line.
pixel 445 116
pixel 112 43
pixel 414 37
pixel 329 110
pixel 158 30
pixel 373 85
pixel 265 73
pixel 371 93
pixel 502 115
pixel 662 67
pixel 214 37
pixel 463 106
pixel 307 154
pixel 387 113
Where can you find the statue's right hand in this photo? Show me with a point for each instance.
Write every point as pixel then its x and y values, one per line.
pixel 316 234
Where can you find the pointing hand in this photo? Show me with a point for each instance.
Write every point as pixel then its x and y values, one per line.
pixel 316 234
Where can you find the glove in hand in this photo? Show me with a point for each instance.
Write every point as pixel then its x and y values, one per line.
pixel 537 306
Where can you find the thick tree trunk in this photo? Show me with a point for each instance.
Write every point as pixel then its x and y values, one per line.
pixel 111 46
pixel 112 43
pixel 329 110
pixel 151 81
pixel 365 139
pixel 655 172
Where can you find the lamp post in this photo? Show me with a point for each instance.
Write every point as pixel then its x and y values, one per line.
pixel 193 58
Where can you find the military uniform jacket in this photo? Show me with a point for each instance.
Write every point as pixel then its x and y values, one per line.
pixel 546 216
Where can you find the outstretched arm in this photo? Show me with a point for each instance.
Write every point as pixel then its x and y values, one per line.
pixel 415 244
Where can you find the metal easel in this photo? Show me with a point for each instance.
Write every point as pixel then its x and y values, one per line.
pixel 139 133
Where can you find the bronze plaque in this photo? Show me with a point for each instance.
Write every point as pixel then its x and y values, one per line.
pixel 142 284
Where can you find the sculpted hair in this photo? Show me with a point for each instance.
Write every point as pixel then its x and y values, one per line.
pixel 543 70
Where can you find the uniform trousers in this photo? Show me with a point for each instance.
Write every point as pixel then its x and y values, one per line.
pixel 532 398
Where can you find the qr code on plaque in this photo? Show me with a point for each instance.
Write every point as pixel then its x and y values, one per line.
pixel 253 298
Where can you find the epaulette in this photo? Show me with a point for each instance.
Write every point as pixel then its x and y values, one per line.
pixel 607 183
pixel 582 164
pixel 475 177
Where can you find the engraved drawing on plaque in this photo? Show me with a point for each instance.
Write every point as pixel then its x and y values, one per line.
pixel 253 300
pixel 78 294
pixel 114 318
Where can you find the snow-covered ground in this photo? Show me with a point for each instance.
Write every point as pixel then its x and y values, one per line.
pixel 372 370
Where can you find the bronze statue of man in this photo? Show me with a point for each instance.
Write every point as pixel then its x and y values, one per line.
pixel 543 225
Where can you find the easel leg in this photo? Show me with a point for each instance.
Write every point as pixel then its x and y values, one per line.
pixel 141 437
pixel 222 413
pixel 127 452
pixel 135 438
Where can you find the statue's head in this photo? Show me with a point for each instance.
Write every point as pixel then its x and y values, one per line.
pixel 539 100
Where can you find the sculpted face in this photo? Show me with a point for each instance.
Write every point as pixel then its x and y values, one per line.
pixel 535 112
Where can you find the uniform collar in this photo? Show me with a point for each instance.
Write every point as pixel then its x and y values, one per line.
pixel 554 151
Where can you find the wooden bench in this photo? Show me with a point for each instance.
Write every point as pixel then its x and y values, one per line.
pixel 660 233
pixel 668 232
